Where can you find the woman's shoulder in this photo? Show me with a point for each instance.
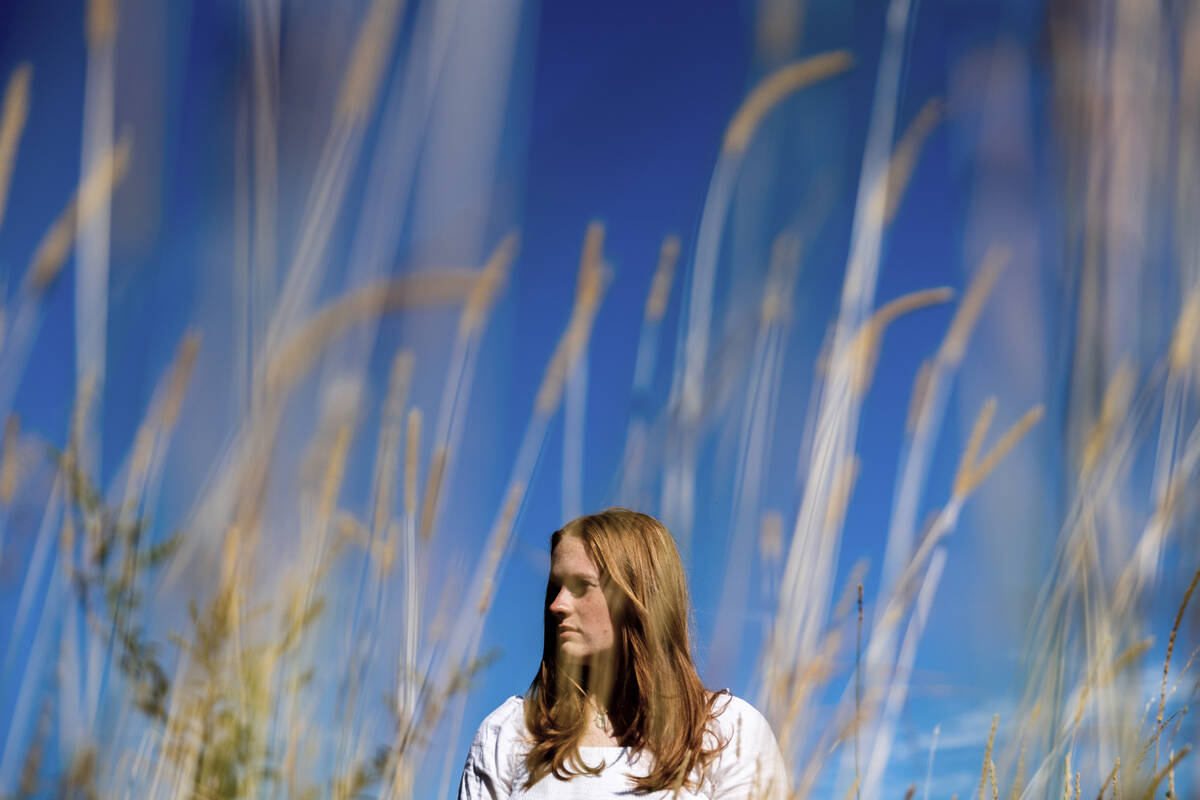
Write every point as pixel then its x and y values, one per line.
pixel 493 762
pixel 750 763
pixel 507 721
pixel 729 709
pixel 738 721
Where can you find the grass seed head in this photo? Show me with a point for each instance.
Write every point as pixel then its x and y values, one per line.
pixel 296 356
pixel 1113 408
pixel 368 60
pixel 93 193
pixel 987 756
pixel 955 344
pixel 490 281
pixel 660 285
pixel 12 123
pixel 1187 331
pixel 101 23
pixel 864 348
pixel 773 89
pixel 433 490
pixel 971 474
pixel 904 157
pixel 840 493
pixel 181 374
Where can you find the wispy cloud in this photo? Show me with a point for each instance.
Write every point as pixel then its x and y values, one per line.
pixel 967 729
pixel 947 784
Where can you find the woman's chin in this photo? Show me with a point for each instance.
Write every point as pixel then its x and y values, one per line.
pixel 575 654
pixel 570 653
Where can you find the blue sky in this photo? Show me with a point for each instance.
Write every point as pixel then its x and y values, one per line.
pixel 614 111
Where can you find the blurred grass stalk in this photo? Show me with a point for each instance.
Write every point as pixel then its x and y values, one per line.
pixel 269 696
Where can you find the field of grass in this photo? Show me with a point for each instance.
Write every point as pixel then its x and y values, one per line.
pixel 267 569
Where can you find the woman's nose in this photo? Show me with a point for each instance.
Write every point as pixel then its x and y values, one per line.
pixel 560 606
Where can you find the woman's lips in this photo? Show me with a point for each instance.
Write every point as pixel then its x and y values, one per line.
pixel 564 631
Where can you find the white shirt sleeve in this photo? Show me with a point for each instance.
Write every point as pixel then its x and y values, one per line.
pixel 488 773
pixel 751 765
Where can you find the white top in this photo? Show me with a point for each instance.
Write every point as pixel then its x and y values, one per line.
pixel 749 768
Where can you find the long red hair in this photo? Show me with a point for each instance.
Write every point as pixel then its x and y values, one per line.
pixel 658 703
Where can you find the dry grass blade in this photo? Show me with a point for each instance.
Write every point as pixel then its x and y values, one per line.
pixel 660 285
pixel 1101 674
pixel 399 380
pixel 334 473
pixel 101 22
pixel 847 599
pixel 157 424
pixel 785 256
pixel 987 756
pixel 977 472
pixel 1109 779
pixel 360 84
pixel 1113 408
pixel 974 443
pixel 1187 332
pixel 904 157
pixel 1019 781
pixel 912 301
pixel 483 294
pixel 839 496
pixel 448 420
pixel 1007 442
pixel 920 391
pixel 92 194
pixel 773 89
pixel 84 396
pixel 588 292
pixel 499 542
pixel 298 354
pixel 955 343
pixel 181 375
pixel 857 684
pixel 9 459
pixel 1162 697
pixel 864 349
pixel 928 383
pixel 433 491
pixel 31 766
pixel 591 264
pixel 12 124
pixel 1168 769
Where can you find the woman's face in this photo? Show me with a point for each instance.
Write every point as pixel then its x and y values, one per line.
pixel 579 604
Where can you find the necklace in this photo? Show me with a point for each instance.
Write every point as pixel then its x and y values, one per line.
pixel 601 720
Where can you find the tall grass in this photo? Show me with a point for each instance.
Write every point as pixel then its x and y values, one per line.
pixel 298 612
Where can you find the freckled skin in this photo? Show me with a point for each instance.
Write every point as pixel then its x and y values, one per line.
pixel 579 605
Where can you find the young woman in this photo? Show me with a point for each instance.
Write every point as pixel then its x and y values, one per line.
pixel 616 708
